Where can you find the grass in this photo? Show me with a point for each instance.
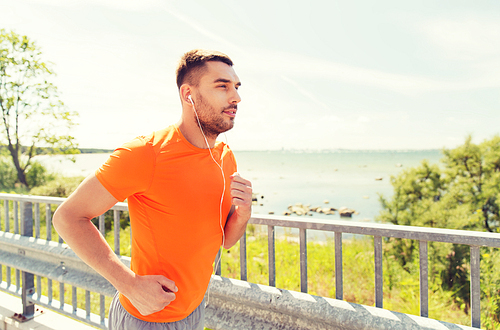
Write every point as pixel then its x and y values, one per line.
pixel 401 288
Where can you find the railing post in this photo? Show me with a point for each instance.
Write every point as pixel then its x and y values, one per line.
pixel 271 252
pixel 6 210
pixel 1 220
pixel 16 231
pixel 37 220
pixel 379 293
pixel 15 210
pixel 303 259
pixel 475 287
pixel 7 229
pixel 339 281
pixel 424 279
pixel 48 221
pixel 102 309
pixel 243 257
pixel 28 278
pixel 74 297
pixel 87 304
pixel 218 262
pixel 116 229
pixel 102 225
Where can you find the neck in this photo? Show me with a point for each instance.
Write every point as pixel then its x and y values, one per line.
pixel 192 132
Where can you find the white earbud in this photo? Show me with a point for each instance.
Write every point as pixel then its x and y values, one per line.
pixel 190 99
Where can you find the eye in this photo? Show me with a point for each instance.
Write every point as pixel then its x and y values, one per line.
pixel 223 86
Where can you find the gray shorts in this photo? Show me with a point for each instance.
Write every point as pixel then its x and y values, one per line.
pixel 120 319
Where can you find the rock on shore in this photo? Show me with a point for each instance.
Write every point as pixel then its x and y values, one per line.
pixel 301 209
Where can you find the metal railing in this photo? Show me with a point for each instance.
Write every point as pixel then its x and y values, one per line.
pixel 19 210
pixel 89 280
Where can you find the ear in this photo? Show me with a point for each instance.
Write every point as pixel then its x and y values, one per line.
pixel 184 92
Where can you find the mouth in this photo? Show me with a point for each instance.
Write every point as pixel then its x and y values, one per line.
pixel 230 112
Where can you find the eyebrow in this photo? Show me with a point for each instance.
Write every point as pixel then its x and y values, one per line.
pixel 226 81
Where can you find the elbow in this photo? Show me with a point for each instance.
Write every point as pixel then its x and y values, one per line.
pixel 58 217
pixel 228 244
pixel 61 217
pixel 66 217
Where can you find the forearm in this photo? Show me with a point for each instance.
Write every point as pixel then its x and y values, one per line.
pixel 235 228
pixel 87 242
pixel 236 224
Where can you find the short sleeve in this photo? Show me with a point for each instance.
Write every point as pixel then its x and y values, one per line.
pixel 129 169
pixel 234 162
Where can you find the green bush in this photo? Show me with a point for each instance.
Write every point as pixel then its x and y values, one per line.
pixel 8 174
pixel 36 175
pixel 58 187
pixel 463 193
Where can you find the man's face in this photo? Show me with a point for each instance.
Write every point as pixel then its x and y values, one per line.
pixel 216 98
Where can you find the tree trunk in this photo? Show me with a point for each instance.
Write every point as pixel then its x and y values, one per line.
pixel 20 172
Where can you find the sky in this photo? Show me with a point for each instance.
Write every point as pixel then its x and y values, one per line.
pixel 315 74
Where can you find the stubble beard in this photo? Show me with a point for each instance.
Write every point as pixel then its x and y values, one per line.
pixel 211 121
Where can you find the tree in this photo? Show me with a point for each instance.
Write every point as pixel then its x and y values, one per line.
pixel 33 115
pixel 463 193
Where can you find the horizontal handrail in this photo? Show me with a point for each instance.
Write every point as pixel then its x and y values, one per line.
pixel 120 206
pixel 455 236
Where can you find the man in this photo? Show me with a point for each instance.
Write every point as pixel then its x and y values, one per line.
pixel 185 201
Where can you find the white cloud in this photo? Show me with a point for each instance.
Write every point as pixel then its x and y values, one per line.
pixel 305 92
pixel 466 38
pixel 268 62
pixel 363 119
pixel 471 38
pixel 128 5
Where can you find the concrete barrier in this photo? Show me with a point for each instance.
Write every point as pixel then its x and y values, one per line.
pixel 234 304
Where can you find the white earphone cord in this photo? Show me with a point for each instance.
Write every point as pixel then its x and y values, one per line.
pixel 221 199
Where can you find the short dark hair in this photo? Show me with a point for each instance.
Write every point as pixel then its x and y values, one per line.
pixel 193 62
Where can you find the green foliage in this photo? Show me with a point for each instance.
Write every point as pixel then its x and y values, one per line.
pixel 8 175
pixel 462 193
pixel 33 116
pixel 490 294
pixel 109 220
pixel 37 175
pixel 58 187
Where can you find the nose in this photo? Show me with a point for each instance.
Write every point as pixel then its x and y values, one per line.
pixel 235 97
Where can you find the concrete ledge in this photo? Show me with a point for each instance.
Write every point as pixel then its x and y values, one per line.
pixel 46 320
pixel 234 304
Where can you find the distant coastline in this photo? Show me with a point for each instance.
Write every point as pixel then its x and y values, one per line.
pixel 339 150
pixel 95 151
pixel 44 151
pixel 344 150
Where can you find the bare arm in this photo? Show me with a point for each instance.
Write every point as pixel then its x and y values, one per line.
pixel 72 222
pixel 241 194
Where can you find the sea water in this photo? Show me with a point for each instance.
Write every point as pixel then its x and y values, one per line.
pixel 343 178
pixel 352 179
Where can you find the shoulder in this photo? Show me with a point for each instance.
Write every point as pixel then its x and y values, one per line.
pixel 129 169
pixel 151 144
pixel 164 138
pixel 140 147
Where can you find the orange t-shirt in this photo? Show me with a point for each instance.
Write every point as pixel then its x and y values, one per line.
pixel 174 191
